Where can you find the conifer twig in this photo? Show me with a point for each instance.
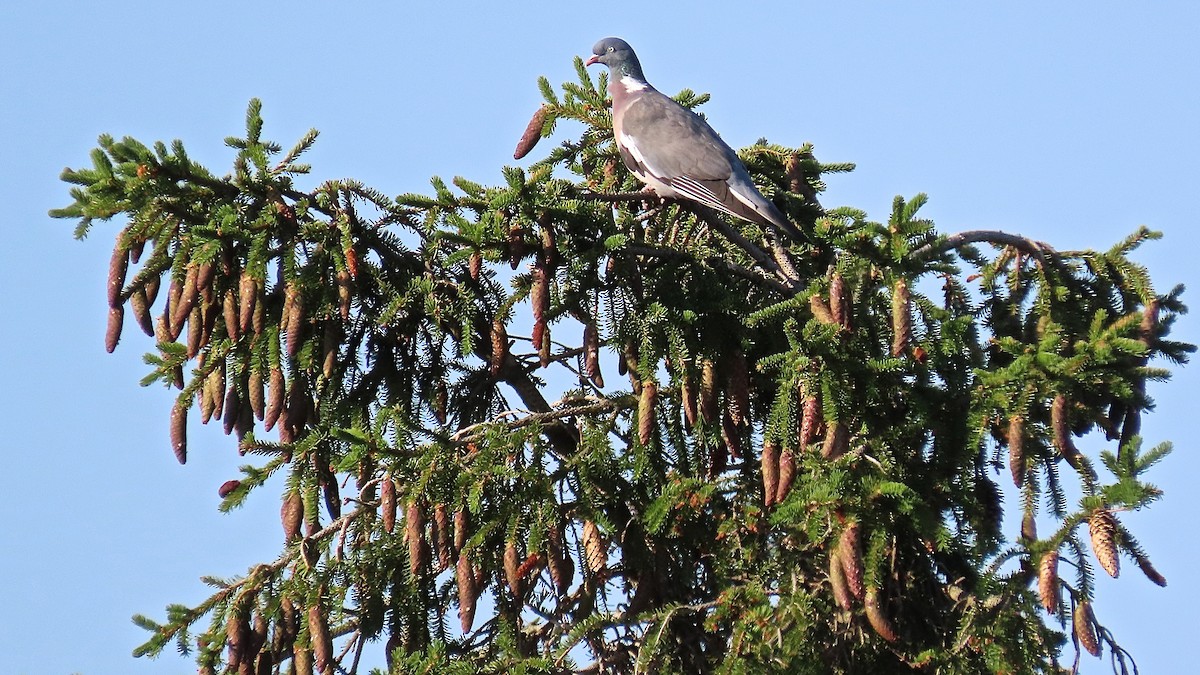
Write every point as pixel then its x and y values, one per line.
pixel 941 244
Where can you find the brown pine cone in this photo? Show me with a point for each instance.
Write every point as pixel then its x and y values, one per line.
pixel 1048 589
pixel 1016 449
pixel 533 132
pixel 849 551
pixel 1102 526
pixel 1083 624
pixel 387 503
pixel 646 405
pixel 901 317
pixel 770 471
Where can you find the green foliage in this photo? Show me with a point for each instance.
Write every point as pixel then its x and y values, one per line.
pixel 456 386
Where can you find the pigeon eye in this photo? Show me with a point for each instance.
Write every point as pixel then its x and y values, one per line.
pixel 611 49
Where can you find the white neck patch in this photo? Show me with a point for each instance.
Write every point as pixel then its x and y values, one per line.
pixel 632 84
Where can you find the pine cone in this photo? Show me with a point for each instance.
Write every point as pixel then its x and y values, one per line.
pixel 591 354
pixel 1085 631
pixel 344 293
pixel 837 580
pixel 322 643
pixel 293 312
pixel 387 503
pixel 687 395
pixel 331 341
pixel 195 336
pixel 247 297
pixel 595 548
pixel 737 386
pixel 810 421
pixel 254 387
pixel 821 311
pixel 901 317
pixel 646 420
pixel 292 515
pixel 141 311
pixel 112 335
pixel 562 567
pixel 512 567
pixel 708 391
pixel 837 440
pixel 1028 526
pixel 1048 589
pixel 118 266
pixel 231 409
pixel 499 346
pixel 787 474
pixel 475 265
pixel 179 430
pixel 849 551
pixel 539 298
pixel 770 471
pixel 414 534
pixel 443 536
pixel 1102 525
pixel 468 591
pixel 877 617
pixel 188 295
pixel 275 397
pixel 462 523
pixel 839 301
pixel 302 660
pixel 1016 449
pixel 533 132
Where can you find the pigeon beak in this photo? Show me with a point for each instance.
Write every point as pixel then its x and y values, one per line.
pixel 594 59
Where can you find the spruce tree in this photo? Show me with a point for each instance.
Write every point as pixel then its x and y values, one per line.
pixel 557 425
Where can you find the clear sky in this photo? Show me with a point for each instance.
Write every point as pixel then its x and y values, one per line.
pixel 1069 122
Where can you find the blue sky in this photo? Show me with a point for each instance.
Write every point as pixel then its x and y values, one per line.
pixel 1072 124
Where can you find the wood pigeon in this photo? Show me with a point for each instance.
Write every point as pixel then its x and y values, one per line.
pixel 673 150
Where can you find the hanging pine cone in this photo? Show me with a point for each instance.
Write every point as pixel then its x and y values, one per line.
pixel 291 514
pixel 294 315
pixel 118 267
pixel 254 392
pixel 1048 589
pixel 591 354
pixel 512 566
pixel 646 405
pixel 387 503
pixel 1083 624
pixel 1028 526
pixel 731 435
pixel 443 536
pixel 1016 449
pixel 595 548
pixel 499 347
pixel 247 298
pixel 769 461
pixel 141 311
pixel 901 317
pixel 178 427
pixel 837 580
pixel 849 551
pixel 468 591
pixel 737 386
pixel 837 440
pixel 322 643
pixel 276 396
pixel 821 311
pixel 188 295
pixel 112 334
pixel 560 563
pixel 810 421
pixel 787 474
pixel 877 616
pixel 839 301
pixel 708 390
pixel 687 395
pixel 1102 526
pixel 414 534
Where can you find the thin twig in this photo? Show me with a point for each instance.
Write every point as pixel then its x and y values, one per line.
pixel 942 244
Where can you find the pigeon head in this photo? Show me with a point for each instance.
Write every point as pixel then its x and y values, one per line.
pixel 618 56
